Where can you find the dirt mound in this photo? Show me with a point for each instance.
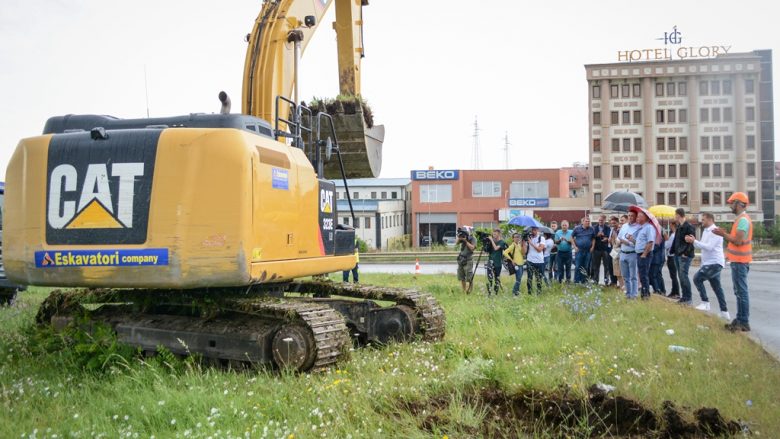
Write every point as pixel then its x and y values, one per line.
pixel 561 414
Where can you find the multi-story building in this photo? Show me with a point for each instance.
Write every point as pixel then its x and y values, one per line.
pixel 684 132
pixel 381 206
pixel 579 180
pixel 443 200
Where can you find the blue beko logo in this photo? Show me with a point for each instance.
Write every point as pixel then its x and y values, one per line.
pixel 435 175
pixel 529 202
pixel 673 37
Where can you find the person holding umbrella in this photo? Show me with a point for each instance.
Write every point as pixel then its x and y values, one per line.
pixel 644 243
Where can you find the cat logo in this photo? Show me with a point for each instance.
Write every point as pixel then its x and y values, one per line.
pixel 326 201
pixel 99 191
pixel 95 207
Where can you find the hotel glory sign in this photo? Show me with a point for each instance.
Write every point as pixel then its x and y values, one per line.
pixel 673 49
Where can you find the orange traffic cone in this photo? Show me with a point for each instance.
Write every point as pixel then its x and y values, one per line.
pixel 416 267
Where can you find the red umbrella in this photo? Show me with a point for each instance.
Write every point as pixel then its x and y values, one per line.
pixel 653 221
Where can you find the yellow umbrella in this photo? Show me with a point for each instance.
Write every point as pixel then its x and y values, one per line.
pixel 662 211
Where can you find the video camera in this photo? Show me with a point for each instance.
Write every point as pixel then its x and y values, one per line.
pixel 463 233
pixel 484 237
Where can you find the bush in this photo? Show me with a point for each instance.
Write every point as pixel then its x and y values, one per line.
pixel 361 245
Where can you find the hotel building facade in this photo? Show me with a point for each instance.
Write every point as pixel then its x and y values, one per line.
pixel 684 133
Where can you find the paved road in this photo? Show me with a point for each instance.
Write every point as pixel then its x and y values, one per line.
pixel 763 284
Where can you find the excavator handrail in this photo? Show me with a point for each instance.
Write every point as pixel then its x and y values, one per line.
pixel 296 127
pixel 320 115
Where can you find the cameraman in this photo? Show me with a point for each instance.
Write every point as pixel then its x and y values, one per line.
pixel 495 247
pixel 465 264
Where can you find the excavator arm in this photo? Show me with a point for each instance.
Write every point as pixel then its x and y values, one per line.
pixel 269 71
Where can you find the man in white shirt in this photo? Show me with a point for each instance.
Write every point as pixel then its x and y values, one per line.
pixel 535 259
pixel 712 262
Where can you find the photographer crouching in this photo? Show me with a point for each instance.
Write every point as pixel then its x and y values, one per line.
pixel 465 257
pixel 494 246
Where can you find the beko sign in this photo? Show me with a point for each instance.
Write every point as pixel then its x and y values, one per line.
pixel 432 174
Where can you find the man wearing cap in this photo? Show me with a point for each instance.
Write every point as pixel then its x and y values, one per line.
pixel 645 240
pixel 739 252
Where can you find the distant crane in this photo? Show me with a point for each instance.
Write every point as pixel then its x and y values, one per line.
pixel 475 157
pixel 506 150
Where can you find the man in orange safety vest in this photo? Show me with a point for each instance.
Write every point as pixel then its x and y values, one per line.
pixel 739 252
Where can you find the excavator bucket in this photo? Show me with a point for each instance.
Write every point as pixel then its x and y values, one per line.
pixel 360 146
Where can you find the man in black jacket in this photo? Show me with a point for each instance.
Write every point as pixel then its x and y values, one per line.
pixel 683 254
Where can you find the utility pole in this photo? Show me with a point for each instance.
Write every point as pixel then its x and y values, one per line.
pixel 506 150
pixel 475 158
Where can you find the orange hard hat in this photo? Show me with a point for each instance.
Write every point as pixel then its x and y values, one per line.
pixel 738 196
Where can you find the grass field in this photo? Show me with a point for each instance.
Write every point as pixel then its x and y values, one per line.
pixel 496 353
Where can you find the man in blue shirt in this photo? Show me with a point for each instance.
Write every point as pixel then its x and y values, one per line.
pixel 584 239
pixel 645 241
pixel 628 267
pixel 564 240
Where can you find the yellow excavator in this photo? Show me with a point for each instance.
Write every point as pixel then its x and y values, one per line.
pixel 192 232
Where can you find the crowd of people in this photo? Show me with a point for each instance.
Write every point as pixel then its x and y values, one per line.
pixel 629 253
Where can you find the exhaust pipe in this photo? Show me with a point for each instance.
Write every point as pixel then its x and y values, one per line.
pixel 225 99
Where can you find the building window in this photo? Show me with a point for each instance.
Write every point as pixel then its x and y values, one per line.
pixel 749 87
pixel 596 92
pixel 683 170
pixel 672 171
pixel 728 143
pixel 750 114
pixel 485 188
pixel 637 144
pixel 716 143
pixel 394 195
pixel 704 115
pixel 717 199
pixel 671 144
pixel 726 86
pixel 671 117
pixel 682 89
pixel 596 145
pixel 615 171
pixel 715 88
pixel 716 114
pixel 659 198
pixel 597 198
pixel 355 196
pixel 346 220
pixel 357 222
pixel 752 197
pixel 716 170
pixel 659 116
pixel 705 169
pixel 683 144
pixel 384 195
pixel 626 145
pixel 626 171
pixel 637 91
pixel 614 117
pixel 626 90
pixel 637 117
pixel 705 198
pixel 704 88
pixel 659 144
pixel 670 89
pixel 596 172
pixel 615 145
pixel 672 198
pixel 683 198
pixel 659 89
pixel 613 91
pixel 529 189
pixel 367 222
pixel 660 171
pixel 704 143
pixel 728 170
pixel 626 117
pixel 596 118
pixel 637 171
pixel 751 169
pixel 683 113
pixel 373 195
pixel 728 115
pixel 435 193
pixel 751 141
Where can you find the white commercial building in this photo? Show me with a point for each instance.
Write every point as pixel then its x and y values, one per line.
pixel 381 206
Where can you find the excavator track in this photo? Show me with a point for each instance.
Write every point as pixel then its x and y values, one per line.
pixel 430 318
pixel 300 335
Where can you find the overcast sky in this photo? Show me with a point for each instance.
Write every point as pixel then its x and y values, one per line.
pixel 430 66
